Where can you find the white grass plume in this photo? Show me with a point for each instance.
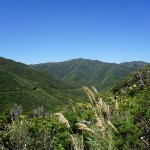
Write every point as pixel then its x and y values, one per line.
pixel 62 119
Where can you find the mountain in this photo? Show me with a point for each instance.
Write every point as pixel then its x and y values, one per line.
pixel 24 85
pixel 134 64
pixel 39 85
pixel 135 82
pixel 90 72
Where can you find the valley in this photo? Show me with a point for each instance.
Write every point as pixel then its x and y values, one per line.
pixel 59 106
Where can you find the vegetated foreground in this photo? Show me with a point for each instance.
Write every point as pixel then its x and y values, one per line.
pixel 115 120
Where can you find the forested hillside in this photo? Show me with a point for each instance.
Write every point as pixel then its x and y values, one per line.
pixel 23 85
pixel 90 72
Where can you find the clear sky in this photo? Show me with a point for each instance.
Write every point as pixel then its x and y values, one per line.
pixel 37 31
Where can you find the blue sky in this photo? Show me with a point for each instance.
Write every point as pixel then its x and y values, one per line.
pixel 37 31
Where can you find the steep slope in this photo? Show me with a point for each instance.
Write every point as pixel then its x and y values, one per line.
pixel 23 85
pixel 135 82
pixel 90 72
pixel 133 96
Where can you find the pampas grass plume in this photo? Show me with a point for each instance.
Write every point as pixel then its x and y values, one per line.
pixel 62 119
pixel 94 89
pixel 84 128
pixel 89 92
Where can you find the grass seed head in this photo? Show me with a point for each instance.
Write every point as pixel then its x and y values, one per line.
pixel 84 128
pixel 62 119
pixel 116 105
pixel 89 92
pixel 94 89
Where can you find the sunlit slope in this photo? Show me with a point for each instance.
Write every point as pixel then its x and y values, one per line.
pixel 90 72
pixel 23 85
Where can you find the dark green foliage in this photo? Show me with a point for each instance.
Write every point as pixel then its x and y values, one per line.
pixel 79 113
pixel 89 72
pixel 132 120
pixel 135 82
pixel 35 133
pixel 24 85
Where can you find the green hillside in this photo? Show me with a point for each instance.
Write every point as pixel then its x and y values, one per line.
pixel 90 72
pixel 116 120
pixel 23 85
pixel 135 82
pixel 133 96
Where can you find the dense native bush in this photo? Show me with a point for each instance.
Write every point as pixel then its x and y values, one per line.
pixel 92 125
pixel 35 133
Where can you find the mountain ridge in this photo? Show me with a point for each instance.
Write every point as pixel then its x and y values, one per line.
pixel 89 72
pixel 74 59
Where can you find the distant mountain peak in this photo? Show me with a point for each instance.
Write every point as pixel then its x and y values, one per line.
pixel 90 72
